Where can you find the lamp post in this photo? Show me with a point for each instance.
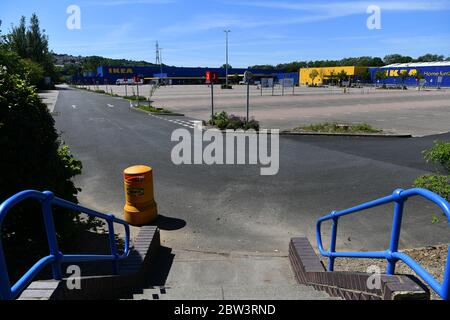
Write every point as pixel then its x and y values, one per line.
pixel 226 65
pixel 160 65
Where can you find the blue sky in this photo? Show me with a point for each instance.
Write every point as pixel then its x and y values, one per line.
pixel 191 31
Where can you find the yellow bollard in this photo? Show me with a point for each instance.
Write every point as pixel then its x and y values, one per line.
pixel 140 207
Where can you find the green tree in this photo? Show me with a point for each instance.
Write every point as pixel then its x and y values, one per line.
pixel 419 76
pixel 365 76
pixel 342 76
pixel 17 39
pixel 263 66
pixel 403 75
pixel 31 71
pixel 31 43
pixel 313 75
pixel 396 58
pixel 332 76
pixel 430 58
pixel 380 75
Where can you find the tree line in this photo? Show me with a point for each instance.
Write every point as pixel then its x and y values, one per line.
pixel 28 45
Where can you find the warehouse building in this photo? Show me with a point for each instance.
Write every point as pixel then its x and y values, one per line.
pixel 329 75
pixel 176 75
pixel 434 74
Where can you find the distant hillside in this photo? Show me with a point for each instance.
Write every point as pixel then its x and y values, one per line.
pixel 72 65
pixel 63 59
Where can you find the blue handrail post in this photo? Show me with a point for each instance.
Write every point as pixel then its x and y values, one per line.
pixel 5 285
pixel 396 227
pixel 333 241
pixel 112 243
pixel 446 281
pixel 51 234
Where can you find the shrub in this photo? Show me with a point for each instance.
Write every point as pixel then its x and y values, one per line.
pixel 153 109
pixel 32 157
pixel 100 91
pixel 439 153
pixel 334 127
pixel 224 121
pixel 136 98
pixel 439 184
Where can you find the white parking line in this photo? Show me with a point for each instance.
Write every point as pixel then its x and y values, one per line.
pixel 184 123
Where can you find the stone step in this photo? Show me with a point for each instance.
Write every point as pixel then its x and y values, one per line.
pixel 227 292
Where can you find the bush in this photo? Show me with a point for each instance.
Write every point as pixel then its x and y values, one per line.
pixel 439 153
pixel 136 98
pixel 439 184
pixel 31 71
pixel 32 157
pixel 334 127
pixel 224 86
pixel 100 91
pixel 224 121
pixel 153 109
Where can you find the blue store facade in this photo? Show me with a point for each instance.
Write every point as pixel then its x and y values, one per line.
pixel 436 74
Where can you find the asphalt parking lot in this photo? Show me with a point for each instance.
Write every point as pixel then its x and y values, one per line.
pixel 419 113
pixel 232 208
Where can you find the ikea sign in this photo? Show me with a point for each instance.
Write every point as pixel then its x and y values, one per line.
pixel 120 70
pixel 397 72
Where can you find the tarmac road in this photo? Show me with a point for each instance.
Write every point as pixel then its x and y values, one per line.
pixel 226 208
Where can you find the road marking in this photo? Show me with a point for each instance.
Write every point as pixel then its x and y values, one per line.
pixel 185 123
pixel 74 106
pixel 110 105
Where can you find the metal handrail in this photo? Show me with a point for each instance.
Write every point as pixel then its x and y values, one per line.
pixel 391 255
pixel 55 258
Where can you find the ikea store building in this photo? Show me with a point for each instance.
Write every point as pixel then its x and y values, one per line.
pixel 436 74
pixel 176 75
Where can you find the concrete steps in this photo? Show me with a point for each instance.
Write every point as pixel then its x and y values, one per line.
pixel 195 275
pixel 265 292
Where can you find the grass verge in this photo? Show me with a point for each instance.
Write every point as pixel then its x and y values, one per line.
pixel 153 109
pixel 334 127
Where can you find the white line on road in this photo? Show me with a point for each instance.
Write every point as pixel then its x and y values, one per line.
pixel 74 106
pixel 110 105
pixel 184 123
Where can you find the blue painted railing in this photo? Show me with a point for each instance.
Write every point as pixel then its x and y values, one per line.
pixel 55 257
pixel 391 255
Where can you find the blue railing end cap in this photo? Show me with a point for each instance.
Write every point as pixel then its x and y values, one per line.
pixel 397 194
pixel 333 215
pixel 48 194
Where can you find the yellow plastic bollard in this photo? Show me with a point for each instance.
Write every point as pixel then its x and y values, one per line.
pixel 140 207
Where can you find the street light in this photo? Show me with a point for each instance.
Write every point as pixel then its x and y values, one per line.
pixel 226 65
pixel 160 61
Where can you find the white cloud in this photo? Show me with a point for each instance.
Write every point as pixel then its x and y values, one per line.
pixel 309 12
pixel 349 7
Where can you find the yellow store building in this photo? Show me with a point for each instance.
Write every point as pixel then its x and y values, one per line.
pixel 328 74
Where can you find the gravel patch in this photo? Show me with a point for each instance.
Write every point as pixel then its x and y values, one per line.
pixel 432 258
